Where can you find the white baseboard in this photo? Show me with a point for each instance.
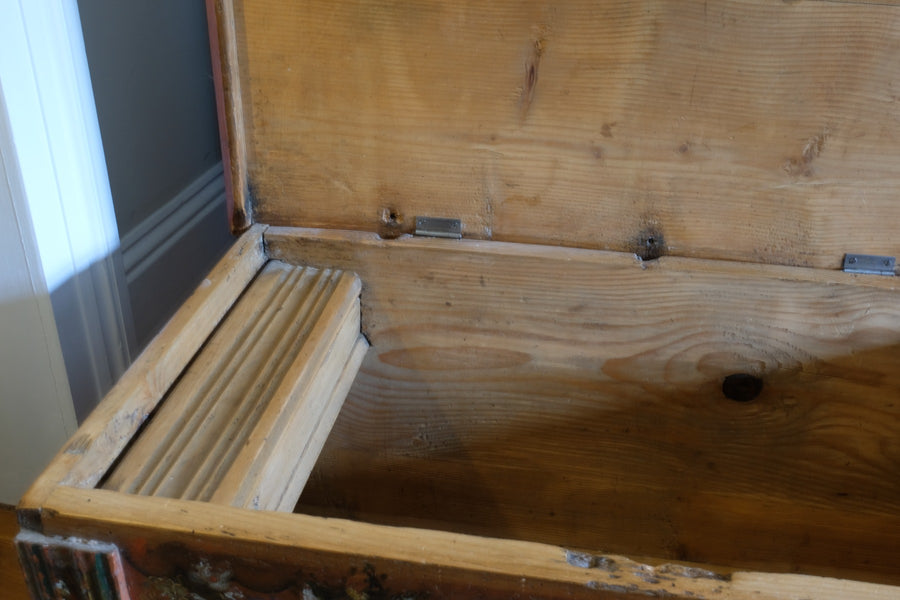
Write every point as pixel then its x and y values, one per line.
pixel 167 255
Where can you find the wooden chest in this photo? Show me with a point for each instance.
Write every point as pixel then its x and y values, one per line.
pixel 650 367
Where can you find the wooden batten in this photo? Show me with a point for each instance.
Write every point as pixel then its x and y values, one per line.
pixel 222 551
pixel 727 129
pixel 229 105
pixel 235 426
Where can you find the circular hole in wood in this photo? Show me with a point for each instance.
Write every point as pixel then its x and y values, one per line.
pixel 649 244
pixel 742 387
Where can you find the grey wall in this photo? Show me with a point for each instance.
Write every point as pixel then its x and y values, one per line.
pixel 150 71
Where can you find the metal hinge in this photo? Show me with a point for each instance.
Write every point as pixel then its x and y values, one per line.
pixel 439 227
pixel 868 264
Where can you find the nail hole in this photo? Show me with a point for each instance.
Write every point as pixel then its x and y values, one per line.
pixel 742 387
pixel 649 244
pixel 852 260
pixel 390 223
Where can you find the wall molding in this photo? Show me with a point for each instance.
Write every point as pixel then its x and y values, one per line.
pixel 190 231
pixel 158 234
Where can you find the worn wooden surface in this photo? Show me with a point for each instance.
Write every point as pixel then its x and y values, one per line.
pixel 219 551
pixel 764 132
pixel 575 397
pixel 12 582
pixel 91 451
pixel 72 569
pixel 283 480
pixel 236 424
pixel 223 34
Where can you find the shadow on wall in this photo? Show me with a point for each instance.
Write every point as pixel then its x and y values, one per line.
pixel 35 409
pixel 101 330
pixel 61 352
pixel 168 254
pixel 95 330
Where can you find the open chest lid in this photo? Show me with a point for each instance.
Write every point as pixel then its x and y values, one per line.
pixel 728 129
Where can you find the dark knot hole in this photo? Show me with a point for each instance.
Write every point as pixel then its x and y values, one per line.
pixel 742 387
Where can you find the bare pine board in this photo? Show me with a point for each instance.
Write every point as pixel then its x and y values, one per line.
pixel 763 132
pixel 284 480
pixel 575 397
pixel 88 455
pixel 283 556
pixel 237 423
pixel 229 108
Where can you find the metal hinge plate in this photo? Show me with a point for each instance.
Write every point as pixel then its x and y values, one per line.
pixel 869 265
pixel 439 227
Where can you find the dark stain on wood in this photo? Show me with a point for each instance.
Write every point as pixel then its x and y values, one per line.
pixel 390 223
pixel 174 571
pixel 532 66
pixel 649 244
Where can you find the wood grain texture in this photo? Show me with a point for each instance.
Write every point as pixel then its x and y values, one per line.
pixel 92 450
pixel 284 556
pixel 237 423
pixel 716 128
pixel 575 397
pixel 283 480
pixel 224 30
pixel 12 581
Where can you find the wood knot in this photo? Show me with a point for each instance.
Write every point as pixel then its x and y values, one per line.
pixel 532 65
pixel 742 387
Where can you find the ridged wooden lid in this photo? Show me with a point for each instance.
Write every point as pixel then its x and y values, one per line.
pixel 765 132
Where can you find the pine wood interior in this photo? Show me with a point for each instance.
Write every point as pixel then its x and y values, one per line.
pixel 575 398
pixel 590 434
pixel 571 396
pixel 738 129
